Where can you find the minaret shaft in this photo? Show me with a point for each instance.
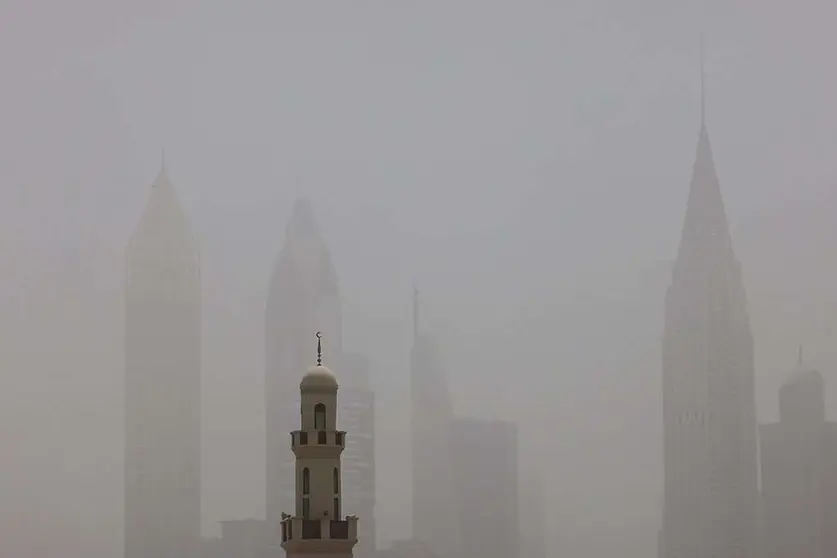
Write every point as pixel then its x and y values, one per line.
pixel 318 526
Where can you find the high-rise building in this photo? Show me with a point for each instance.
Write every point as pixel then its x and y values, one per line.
pixel 799 472
pixel 532 507
pixel 435 517
pixel 303 297
pixel 709 410
pixel 317 527
pixel 357 416
pixel 162 382
pixel 486 488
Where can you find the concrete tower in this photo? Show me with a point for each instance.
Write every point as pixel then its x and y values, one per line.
pixel 162 382
pixel 318 528
pixel 303 297
pixel 709 411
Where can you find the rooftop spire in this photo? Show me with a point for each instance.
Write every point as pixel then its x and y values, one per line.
pixel 415 312
pixel 706 223
pixel 799 357
pixel 702 82
pixel 302 222
pixel 319 348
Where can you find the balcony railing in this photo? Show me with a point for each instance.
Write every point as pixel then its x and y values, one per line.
pixel 322 438
pixel 339 529
pixel 318 529
pixel 312 529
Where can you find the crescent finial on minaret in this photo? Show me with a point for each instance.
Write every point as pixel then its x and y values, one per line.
pixel 319 348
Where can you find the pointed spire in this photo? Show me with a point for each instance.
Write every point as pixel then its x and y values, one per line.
pixel 162 175
pixel 706 221
pixel 415 312
pixel 799 356
pixel 302 222
pixel 702 82
pixel 319 348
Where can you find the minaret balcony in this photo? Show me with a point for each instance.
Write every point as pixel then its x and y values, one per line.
pixel 329 438
pixel 297 531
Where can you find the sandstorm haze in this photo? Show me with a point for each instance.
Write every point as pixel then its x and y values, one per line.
pixel 526 164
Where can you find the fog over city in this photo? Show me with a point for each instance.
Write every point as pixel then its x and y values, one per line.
pixel 524 165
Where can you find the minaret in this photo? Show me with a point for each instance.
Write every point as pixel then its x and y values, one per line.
pixel 162 382
pixel 317 527
pixel 709 412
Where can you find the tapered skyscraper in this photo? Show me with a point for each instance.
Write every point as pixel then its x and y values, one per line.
pixel 303 297
pixel 356 410
pixel 435 505
pixel 162 382
pixel 709 409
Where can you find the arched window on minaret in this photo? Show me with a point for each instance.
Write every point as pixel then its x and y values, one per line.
pixel 336 508
pixel 336 481
pixel 306 493
pixel 319 416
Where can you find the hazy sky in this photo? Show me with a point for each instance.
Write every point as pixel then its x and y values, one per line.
pixel 525 162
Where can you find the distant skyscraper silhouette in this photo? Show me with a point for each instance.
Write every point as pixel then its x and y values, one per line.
pixel 303 297
pixel 532 509
pixel 162 382
pixel 435 517
pixel 357 416
pixel 709 412
pixel 486 484
pixel 799 472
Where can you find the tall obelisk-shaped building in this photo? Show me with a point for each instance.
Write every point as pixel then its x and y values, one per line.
pixel 435 517
pixel 303 297
pixel 709 411
pixel 162 382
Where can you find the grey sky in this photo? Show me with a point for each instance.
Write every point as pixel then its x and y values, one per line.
pixel 526 162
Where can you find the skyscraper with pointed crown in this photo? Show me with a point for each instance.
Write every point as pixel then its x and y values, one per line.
pixel 709 411
pixel 435 517
pixel 162 382
pixel 303 297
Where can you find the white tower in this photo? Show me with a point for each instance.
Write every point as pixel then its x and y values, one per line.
pixel 317 527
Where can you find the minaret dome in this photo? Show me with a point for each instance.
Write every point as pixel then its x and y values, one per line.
pixel 318 378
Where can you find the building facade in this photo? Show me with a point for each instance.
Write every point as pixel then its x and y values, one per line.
pixel 435 516
pixel 303 297
pixel 532 506
pixel 799 473
pixel 162 382
pixel 486 488
pixel 709 411
pixel 318 526
pixel 357 416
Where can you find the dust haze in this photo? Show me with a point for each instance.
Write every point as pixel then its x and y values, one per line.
pixel 525 165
